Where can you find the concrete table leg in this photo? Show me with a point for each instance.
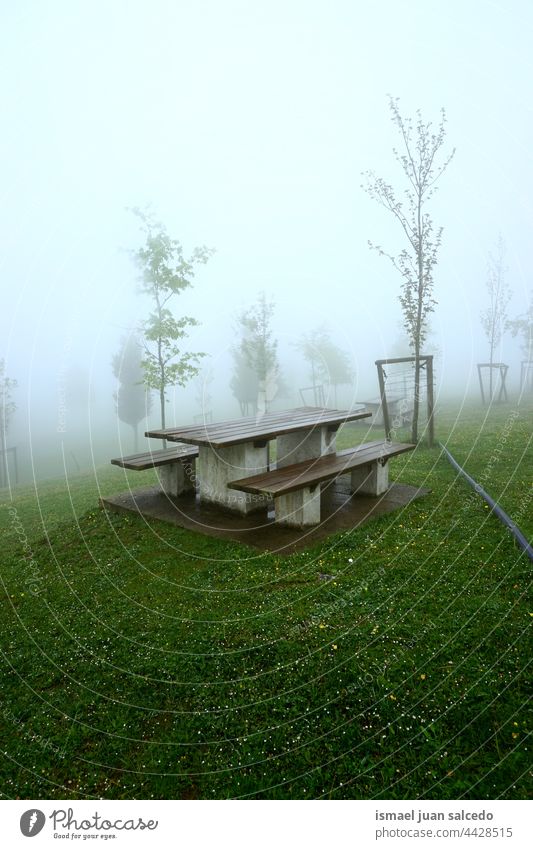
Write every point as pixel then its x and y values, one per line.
pixel 177 478
pixel 299 509
pixel 218 466
pixel 304 445
pixel 372 479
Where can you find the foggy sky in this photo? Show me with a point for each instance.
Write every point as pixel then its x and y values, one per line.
pixel 247 125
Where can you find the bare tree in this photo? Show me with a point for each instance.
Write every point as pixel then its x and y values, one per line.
pixel 418 157
pixel 494 318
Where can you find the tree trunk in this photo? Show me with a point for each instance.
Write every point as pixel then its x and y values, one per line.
pixel 262 401
pixel 490 370
pixel 135 428
pixel 3 458
pixel 416 400
pixel 162 403
pixel 419 319
pixel 162 375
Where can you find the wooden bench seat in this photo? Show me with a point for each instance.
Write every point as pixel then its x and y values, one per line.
pixel 153 459
pixel 295 488
pixel 175 467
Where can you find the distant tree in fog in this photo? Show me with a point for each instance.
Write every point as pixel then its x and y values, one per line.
pixel 203 396
pixel 494 317
pixel 132 398
pixel 257 352
pixel 522 326
pixel 328 364
pixel 165 273
pixel 7 408
pixel 7 405
pixel 79 391
pixel 418 157
pixel 244 383
pixel 339 368
pixel 401 346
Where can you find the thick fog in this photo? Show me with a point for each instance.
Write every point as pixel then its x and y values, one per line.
pixel 246 126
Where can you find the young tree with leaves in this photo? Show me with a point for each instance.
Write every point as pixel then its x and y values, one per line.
pixel 165 273
pixel 132 399
pixel 494 317
pixel 421 159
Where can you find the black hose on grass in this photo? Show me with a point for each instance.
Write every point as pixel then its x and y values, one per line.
pixel 523 543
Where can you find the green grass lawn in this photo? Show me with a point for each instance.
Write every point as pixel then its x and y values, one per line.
pixel 388 662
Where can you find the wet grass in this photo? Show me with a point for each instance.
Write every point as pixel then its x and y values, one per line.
pixel 391 661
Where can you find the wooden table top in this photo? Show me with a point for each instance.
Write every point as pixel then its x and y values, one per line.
pixel 256 428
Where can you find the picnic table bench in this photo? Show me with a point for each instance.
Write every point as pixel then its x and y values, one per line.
pixel 239 448
pixel 234 465
pixel 295 488
pixel 175 467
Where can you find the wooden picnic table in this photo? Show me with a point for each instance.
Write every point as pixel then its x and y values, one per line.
pixel 240 448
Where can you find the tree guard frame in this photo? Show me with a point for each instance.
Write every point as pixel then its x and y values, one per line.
pixel 503 369
pixel 425 361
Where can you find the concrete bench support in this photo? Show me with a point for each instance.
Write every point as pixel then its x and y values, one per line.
pixel 371 479
pixel 177 478
pixel 299 509
pixel 296 488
